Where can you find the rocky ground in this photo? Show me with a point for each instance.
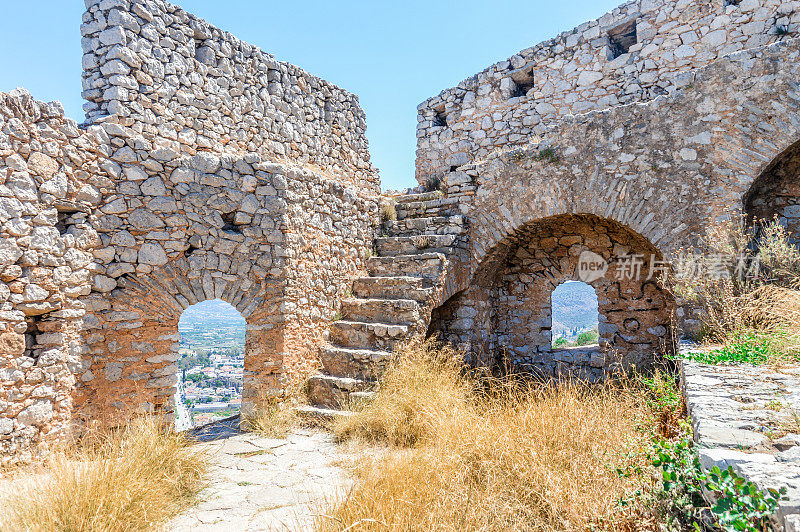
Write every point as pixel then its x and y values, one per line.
pixel 267 484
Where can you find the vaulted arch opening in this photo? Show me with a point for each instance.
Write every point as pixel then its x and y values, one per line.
pixel 135 346
pixel 505 317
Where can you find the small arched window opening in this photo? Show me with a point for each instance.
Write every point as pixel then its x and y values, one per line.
pixel 574 316
pixel 211 364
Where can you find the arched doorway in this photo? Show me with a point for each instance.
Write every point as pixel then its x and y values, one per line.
pixel 134 345
pixel 504 318
pixel 211 364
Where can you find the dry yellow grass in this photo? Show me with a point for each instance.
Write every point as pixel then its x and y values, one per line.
pixel 755 294
pixel 134 478
pixel 272 418
pixel 510 458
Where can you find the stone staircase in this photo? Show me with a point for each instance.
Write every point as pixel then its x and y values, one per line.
pixel 392 305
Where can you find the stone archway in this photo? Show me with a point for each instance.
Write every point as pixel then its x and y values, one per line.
pixel 776 192
pixel 138 332
pixel 505 315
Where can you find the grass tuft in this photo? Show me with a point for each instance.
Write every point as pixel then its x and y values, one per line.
pixel 751 302
pixel 272 418
pixel 388 211
pixel 132 478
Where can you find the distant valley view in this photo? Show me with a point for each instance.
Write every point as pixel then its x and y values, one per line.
pixel 574 314
pixel 211 364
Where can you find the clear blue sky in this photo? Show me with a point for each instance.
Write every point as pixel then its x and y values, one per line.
pixel 393 55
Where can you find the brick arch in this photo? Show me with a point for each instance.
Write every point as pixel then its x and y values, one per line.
pixel 135 341
pixel 636 314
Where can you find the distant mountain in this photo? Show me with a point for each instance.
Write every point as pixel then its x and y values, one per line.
pixel 574 307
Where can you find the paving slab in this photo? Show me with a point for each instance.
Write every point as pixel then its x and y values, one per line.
pixel 265 484
pixel 742 417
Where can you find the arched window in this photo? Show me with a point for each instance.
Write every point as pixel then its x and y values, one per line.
pixel 211 364
pixel 574 317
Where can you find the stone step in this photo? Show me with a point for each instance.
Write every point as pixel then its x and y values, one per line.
pixel 364 364
pixel 416 288
pixel 401 199
pixel 316 413
pixel 359 398
pixel 367 335
pixel 426 265
pixel 389 311
pixel 327 391
pixel 428 208
pixel 429 225
pixel 409 245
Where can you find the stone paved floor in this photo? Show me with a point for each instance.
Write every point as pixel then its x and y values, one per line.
pixel 268 484
pixel 742 417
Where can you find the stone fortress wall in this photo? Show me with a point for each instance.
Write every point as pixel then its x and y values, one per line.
pixel 658 173
pixel 51 179
pixel 173 76
pixel 639 51
pixel 206 169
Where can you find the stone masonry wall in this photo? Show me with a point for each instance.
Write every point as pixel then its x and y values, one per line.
pixel 278 243
pixel 207 170
pixel 171 75
pixel 50 179
pixel 664 171
pixel 513 101
pixel 332 231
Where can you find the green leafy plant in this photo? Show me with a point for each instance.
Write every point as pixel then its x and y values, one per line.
pixel 679 491
pixel 662 391
pixel 518 156
pixel 740 506
pixel 748 347
pixel 548 155
pixel 560 342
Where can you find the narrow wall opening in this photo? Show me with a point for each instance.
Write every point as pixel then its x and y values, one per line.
pixel 621 39
pixel 520 84
pixel 575 316
pixel 439 117
pixel 211 364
